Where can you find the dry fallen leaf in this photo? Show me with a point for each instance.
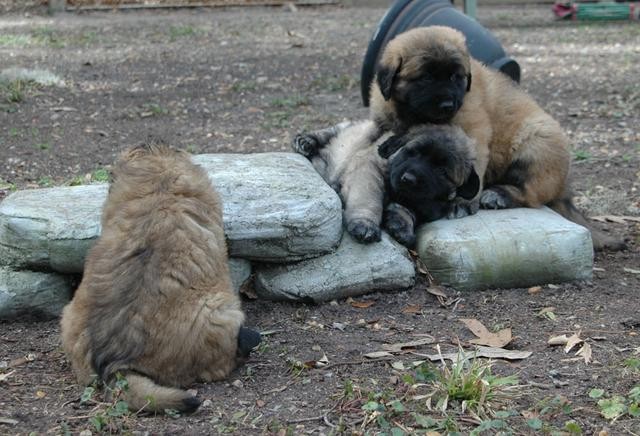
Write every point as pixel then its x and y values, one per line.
pixel 377 354
pixel 260 403
pixel 412 309
pixel 487 352
pixel 362 304
pixel 5 376
pixel 397 348
pixel 437 291
pixel 558 340
pixel 572 341
pixel 534 290
pixel 585 352
pixel 398 365
pixel 485 337
pixel 568 342
pixel 41 394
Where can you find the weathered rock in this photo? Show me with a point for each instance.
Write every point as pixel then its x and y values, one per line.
pixel 50 228
pixel 276 208
pixel 36 294
pixel 353 269
pixel 506 249
pixel 240 270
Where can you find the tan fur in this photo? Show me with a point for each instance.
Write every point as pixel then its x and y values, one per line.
pixel 156 302
pixel 352 166
pixel 506 124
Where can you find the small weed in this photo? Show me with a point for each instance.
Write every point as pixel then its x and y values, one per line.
pixel 633 364
pixel 16 90
pixel 472 386
pixel 581 155
pixel 43 146
pixel 9 40
pixel 7 186
pixel 192 148
pixel 340 83
pixel 13 132
pixel 45 182
pixel 290 102
pixel 296 367
pixel 244 86
pixel 616 406
pixel 100 175
pixel 47 36
pixel 153 109
pixel 176 32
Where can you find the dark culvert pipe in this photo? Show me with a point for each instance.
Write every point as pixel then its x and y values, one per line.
pixel 407 14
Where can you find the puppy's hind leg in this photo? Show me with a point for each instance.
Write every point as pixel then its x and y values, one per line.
pixel 308 143
pixel 362 194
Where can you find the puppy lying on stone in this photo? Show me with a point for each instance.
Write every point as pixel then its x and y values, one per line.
pixel 429 171
pixel 430 175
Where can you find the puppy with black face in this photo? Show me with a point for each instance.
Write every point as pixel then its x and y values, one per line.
pixel 156 304
pixel 430 175
pixel 522 157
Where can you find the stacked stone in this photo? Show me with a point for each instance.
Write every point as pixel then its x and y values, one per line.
pixel 283 224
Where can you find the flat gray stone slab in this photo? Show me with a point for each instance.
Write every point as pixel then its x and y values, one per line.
pixel 40 295
pixel 276 208
pixel 353 269
pixel 50 228
pixel 509 248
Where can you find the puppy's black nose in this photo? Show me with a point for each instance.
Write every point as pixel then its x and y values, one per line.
pixel 446 105
pixel 408 179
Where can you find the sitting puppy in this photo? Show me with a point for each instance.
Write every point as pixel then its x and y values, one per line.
pixel 430 175
pixel 156 305
pixel 436 163
pixel 426 75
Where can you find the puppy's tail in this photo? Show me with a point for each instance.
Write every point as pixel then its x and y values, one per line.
pixel 601 242
pixel 144 394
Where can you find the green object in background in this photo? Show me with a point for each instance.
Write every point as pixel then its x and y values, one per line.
pixel 605 11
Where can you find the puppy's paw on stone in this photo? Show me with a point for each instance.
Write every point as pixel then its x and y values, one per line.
pixel 305 144
pixel 462 208
pixel 401 231
pixel 490 199
pixel 364 230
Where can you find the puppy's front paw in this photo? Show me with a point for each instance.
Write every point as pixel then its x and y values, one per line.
pixel 364 230
pixel 306 144
pixel 401 231
pixel 490 199
pixel 462 208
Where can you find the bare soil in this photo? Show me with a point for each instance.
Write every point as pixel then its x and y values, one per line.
pixel 245 80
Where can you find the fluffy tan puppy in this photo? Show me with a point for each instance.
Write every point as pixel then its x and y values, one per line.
pixel 426 75
pixel 156 304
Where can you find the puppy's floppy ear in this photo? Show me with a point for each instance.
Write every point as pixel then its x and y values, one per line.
pixel 390 146
pixel 469 189
pixel 386 75
pixel 468 82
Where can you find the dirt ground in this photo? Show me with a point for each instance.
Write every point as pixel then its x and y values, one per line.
pixel 245 80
